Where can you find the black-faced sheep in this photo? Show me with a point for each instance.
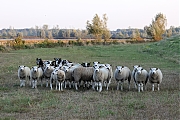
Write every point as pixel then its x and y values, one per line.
pixel 141 78
pixel 23 74
pixel 98 64
pixel 36 74
pixel 155 76
pixel 39 62
pixel 85 64
pixel 121 74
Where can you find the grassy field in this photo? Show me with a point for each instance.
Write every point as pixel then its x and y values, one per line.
pixel 42 103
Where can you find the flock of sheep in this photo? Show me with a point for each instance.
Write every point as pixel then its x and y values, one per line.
pixel 60 73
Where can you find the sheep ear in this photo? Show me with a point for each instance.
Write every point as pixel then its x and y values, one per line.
pixel 139 66
pixel 157 68
pixel 142 69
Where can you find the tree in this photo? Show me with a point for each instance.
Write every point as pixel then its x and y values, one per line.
pixel 106 31
pixel 96 27
pixel 42 34
pixel 157 28
pixel 50 35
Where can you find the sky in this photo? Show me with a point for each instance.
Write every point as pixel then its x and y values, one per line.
pixel 73 14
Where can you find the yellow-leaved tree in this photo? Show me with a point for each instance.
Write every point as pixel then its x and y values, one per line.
pixel 158 27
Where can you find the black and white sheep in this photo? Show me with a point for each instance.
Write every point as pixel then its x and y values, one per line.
pixel 109 67
pixel 121 74
pixel 133 74
pixel 98 64
pixel 36 74
pixel 141 78
pixel 155 76
pixel 23 74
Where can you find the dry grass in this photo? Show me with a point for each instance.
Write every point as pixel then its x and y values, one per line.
pixel 42 103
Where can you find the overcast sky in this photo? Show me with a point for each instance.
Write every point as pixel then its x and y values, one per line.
pixel 75 13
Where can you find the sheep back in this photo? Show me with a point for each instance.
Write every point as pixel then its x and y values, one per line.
pixel 83 73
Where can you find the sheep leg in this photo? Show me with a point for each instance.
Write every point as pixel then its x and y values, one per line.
pixel 152 87
pixel 30 82
pixel 56 84
pixel 100 86
pixel 158 86
pixel 20 83
pixel 108 85
pixel 76 86
pixel 61 86
pixel 97 86
pixel 139 85
pixel 65 83
pixel 129 85
pixel 51 85
pixel 69 84
pixel 24 82
pixel 93 85
pixel 135 86
pixel 121 86
pixel 118 85
pixel 41 83
pixel 142 86
pixel 35 83
pixel 47 83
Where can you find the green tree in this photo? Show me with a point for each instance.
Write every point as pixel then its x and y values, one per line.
pixel 96 27
pixel 157 28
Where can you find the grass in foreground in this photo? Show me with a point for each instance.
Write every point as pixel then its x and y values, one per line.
pixel 41 103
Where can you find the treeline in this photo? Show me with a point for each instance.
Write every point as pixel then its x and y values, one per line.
pixel 57 33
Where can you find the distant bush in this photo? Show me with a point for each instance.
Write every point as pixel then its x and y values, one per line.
pixel 2 48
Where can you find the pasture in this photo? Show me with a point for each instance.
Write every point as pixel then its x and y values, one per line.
pixel 43 103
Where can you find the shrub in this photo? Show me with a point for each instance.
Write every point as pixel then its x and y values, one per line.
pixel 2 48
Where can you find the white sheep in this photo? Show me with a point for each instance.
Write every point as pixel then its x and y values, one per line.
pixel 36 74
pixel 47 73
pixel 60 79
pixel 53 77
pixel 82 74
pixel 141 78
pixel 155 76
pixel 23 74
pixel 121 74
pixel 100 75
pixel 68 73
pixel 109 67
pixel 133 74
